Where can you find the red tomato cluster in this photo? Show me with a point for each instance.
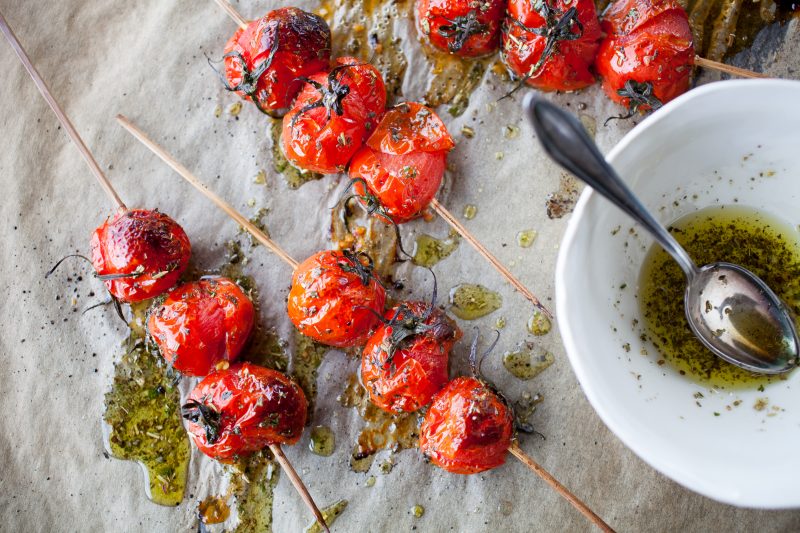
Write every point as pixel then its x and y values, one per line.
pixel 643 51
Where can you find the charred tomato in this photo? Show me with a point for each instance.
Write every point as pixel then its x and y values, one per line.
pixel 551 44
pixel 264 61
pixel 333 115
pixel 468 427
pixel 139 254
pixel 202 324
pixel 243 409
pixel 647 56
pixel 335 298
pixel 405 362
pixel 403 161
pixel 467 28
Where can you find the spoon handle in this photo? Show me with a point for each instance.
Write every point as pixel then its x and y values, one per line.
pixel 565 140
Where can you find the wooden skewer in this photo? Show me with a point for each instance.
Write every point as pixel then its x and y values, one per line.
pixel 500 267
pixel 191 178
pixel 728 69
pixel 277 451
pixel 232 13
pixel 62 117
pixel 536 468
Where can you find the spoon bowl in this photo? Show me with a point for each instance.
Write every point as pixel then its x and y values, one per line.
pixel 730 310
pixel 739 318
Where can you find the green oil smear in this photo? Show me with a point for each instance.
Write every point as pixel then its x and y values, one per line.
pixel 526 237
pixel 322 441
pixel 330 514
pixel 539 324
pixel 294 177
pixel 428 250
pixel 418 511
pixel 308 355
pixel 526 362
pixel 143 416
pixel 469 301
pixel 254 489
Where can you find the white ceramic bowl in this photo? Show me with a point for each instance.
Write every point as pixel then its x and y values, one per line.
pixel 710 142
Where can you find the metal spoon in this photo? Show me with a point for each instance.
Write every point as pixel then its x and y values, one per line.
pixel 729 308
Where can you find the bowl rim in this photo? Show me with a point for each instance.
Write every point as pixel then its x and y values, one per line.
pixel 612 418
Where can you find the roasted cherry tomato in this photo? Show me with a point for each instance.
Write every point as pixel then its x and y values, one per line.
pixel 403 161
pixel 467 28
pixel 139 254
pixel 405 362
pixel 468 428
pixel 243 409
pixel 201 324
pixel 333 115
pixel 647 56
pixel 551 44
pixel 264 61
pixel 335 298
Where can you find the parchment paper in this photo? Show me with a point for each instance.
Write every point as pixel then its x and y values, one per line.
pixel 146 59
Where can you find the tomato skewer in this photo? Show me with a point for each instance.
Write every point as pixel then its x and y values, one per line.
pixel 263 239
pixel 469 428
pixel 138 253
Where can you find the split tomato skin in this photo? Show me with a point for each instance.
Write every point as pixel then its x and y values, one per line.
pixel 330 302
pixel 299 44
pixel 243 409
pixel 406 381
pixel 201 324
pixel 568 68
pixel 647 42
pixel 146 244
pixel 333 115
pixel 467 28
pixel 467 429
pixel 404 160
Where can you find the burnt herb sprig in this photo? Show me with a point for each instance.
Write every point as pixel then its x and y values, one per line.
pixel 559 26
pixel 250 78
pixel 204 416
pixel 640 98
pixel 373 207
pixel 460 29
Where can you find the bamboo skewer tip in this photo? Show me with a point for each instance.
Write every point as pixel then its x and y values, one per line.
pixel 62 117
pixel 232 13
pixel 277 451
pixel 548 478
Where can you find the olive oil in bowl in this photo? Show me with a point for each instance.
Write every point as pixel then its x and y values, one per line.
pixel 761 243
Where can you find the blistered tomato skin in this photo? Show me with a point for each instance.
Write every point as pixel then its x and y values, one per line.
pixel 298 43
pixel 568 67
pixel 148 246
pixel 243 409
pixel 468 28
pixel 333 116
pixel 332 303
pixel 404 160
pixel 407 380
pixel 201 324
pixel 467 429
pixel 649 43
